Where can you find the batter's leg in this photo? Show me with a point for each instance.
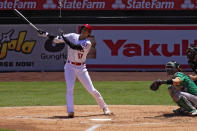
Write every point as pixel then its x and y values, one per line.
pixel 85 79
pixel 70 78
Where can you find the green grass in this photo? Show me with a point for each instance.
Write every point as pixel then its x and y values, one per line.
pixel 6 130
pixel 53 93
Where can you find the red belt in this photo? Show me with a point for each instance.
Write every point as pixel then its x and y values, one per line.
pixel 76 63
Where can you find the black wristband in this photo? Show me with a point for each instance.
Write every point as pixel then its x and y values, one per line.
pixel 170 82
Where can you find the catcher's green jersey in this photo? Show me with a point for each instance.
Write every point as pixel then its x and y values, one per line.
pixel 187 83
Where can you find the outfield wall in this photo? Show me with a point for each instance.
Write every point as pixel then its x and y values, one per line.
pixel 115 47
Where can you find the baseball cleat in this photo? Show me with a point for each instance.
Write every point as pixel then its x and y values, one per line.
pixel 193 112
pixel 180 111
pixel 71 115
pixel 106 111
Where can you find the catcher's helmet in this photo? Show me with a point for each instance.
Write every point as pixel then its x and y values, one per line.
pixel 172 67
pixel 86 26
pixel 191 52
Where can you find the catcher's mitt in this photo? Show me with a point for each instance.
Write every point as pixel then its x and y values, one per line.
pixel 155 85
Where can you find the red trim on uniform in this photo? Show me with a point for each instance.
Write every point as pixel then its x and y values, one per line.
pixel 76 63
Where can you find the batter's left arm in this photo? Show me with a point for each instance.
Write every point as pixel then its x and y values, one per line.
pixel 62 39
pixel 71 45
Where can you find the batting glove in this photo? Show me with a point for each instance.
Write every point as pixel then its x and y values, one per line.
pixel 43 33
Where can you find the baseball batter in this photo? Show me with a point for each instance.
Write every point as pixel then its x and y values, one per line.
pixel 75 67
pixel 182 89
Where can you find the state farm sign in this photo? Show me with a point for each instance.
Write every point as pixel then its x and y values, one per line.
pixel 98 4
pixel 145 47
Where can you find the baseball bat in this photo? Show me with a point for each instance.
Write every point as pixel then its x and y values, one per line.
pixel 24 18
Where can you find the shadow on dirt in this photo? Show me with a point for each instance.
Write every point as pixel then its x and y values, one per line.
pixel 173 115
pixel 66 117
pixel 168 115
pixel 165 115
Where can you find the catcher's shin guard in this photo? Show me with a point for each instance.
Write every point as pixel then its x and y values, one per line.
pixel 186 104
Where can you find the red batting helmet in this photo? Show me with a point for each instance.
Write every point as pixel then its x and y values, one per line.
pixel 87 26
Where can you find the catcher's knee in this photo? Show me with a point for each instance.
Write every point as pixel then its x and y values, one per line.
pixel 170 87
pixel 170 91
pixel 174 93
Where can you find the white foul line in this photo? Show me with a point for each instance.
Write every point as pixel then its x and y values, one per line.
pixel 92 128
pixel 100 119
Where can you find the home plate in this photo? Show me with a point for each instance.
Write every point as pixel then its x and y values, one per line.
pixel 100 119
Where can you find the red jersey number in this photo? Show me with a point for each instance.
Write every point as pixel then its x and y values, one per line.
pixel 80 54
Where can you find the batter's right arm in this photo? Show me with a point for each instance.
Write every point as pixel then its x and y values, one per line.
pixel 56 39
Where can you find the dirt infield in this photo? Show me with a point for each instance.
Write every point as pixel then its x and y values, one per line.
pixel 90 117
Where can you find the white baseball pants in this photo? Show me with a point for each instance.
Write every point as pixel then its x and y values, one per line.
pixel 71 72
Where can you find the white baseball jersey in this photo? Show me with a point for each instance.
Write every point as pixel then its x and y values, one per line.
pixel 72 72
pixel 76 55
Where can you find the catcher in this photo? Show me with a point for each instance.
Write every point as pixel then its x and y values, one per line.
pixel 182 89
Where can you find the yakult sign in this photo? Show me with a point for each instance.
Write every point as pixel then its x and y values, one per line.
pixel 141 47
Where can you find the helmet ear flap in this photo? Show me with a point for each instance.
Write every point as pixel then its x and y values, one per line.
pixel 179 68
